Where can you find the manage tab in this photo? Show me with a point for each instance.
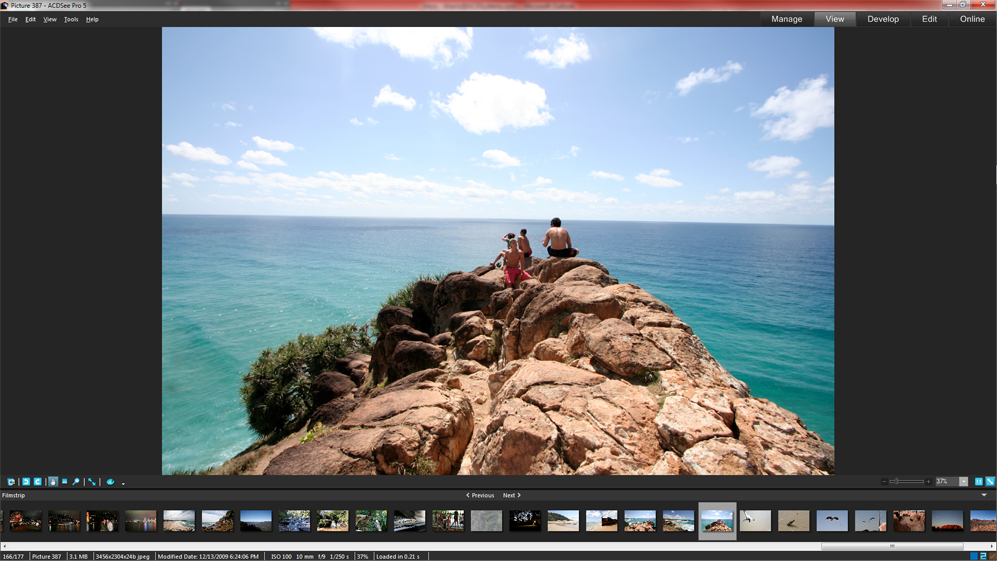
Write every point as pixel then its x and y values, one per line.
pixel 787 19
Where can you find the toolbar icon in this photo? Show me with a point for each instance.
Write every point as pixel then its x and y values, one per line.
pixel 979 482
pixel 25 482
pixel 53 481
pixel 91 482
pixel 12 482
pixel 991 481
pixel 75 481
pixel 39 482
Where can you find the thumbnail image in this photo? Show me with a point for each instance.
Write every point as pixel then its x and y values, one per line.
pixel 255 520
pixel 602 521
pixel 716 521
pixel 293 520
pixel 448 520
pixel 63 520
pixel 102 520
pixel 331 520
pixel 215 520
pixel 907 521
pixel 25 521
pixel 793 520
pixel 983 521
pixel 640 520
pixel 564 520
pixel 408 521
pixel 947 520
pixel 725 108
pixel 678 520
pixel 140 520
pixel 525 521
pixel 869 520
pixel 371 521
pixel 178 520
pixel 831 520
pixel 487 521
pixel 755 520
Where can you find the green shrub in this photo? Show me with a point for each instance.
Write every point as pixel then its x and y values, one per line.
pixel 404 296
pixel 276 392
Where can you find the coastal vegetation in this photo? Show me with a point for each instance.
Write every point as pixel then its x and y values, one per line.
pixel 276 390
pixel 404 296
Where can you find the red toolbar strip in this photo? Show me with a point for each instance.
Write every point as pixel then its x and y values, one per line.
pixel 624 5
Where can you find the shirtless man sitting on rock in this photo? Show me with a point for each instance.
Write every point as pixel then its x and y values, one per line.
pixel 513 261
pixel 558 237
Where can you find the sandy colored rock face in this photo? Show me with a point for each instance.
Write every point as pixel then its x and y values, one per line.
pixel 788 447
pixel 586 273
pixel 641 317
pixel 579 325
pixel 623 350
pixel 472 327
pixel 543 310
pixel 691 357
pixel 552 349
pixel 477 348
pixel 717 456
pixel 682 424
pixel 552 418
pixel 550 269
pixel 631 296
pixel 388 431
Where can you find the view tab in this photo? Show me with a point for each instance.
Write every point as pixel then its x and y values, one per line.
pixel 835 19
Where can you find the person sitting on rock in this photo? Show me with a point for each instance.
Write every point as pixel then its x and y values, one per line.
pixel 513 261
pixel 558 237
pixel 525 247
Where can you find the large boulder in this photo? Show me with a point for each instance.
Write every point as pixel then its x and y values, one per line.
pixel 717 456
pixel 462 292
pixel 333 412
pixel 579 325
pixel 553 418
pixel 423 305
pixel 586 273
pixel 388 434
pixel 693 359
pixel 330 385
pixel 641 317
pixel 474 326
pixel 393 315
pixel 354 365
pixel 551 269
pixel 632 296
pixel 412 356
pixel 385 346
pixel 411 380
pixel 682 424
pixel 788 447
pixel 477 348
pixel 552 349
pixel 543 311
pixel 623 350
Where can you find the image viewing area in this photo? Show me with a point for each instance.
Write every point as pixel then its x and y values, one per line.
pixel 496 280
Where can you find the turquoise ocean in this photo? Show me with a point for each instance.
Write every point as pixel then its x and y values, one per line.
pixel 760 297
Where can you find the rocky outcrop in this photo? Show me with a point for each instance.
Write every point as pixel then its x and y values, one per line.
pixel 718 526
pixel 570 373
pixel 641 527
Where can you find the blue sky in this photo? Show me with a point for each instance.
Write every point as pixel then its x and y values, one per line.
pixel 671 124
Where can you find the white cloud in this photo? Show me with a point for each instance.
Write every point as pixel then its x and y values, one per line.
pixel 775 166
pixel 573 150
pixel 828 181
pixel 247 165
pixel 626 189
pixel 278 145
pixel 233 179
pixel 711 75
pixel 182 177
pixel 553 195
pixel 501 159
pixel 487 103
pixel 389 97
pixel 186 150
pixel 798 112
pixel 229 106
pixel 372 122
pixel 802 175
pixel 726 190
pixel 356 122
pixel 738 109
pixel 232 124
pixel 263 158
pixel 611 201
pixel 687 139
pixel 513 177
pixel 442 46
pixel 605 175
pixel 649 96
pixel 392 157
pixel 658 178
pixel 754 195
pixel 538 182
pixel 568 51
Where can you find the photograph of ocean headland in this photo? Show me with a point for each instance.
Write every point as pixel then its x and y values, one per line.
pixel 179 520
pixel 678 520
pixel 392 244
pixel 564 521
